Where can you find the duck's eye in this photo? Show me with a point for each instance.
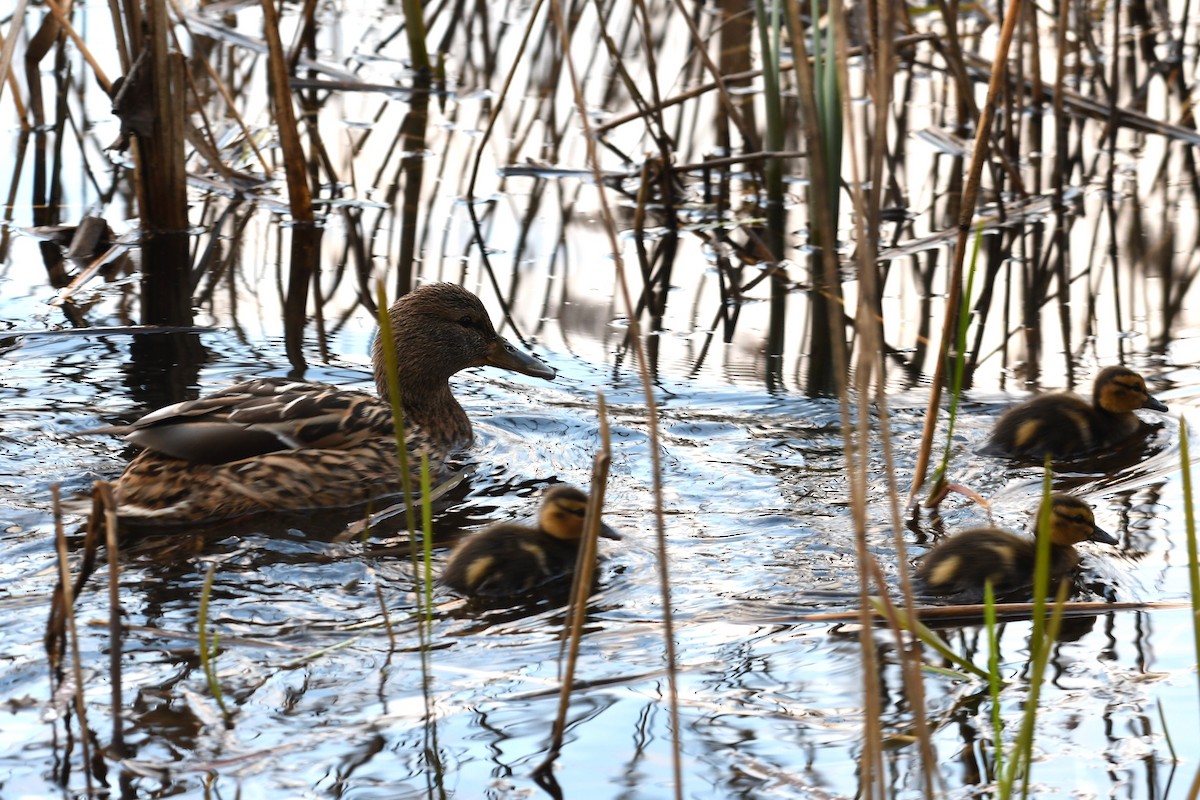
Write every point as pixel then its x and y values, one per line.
pixel 466 321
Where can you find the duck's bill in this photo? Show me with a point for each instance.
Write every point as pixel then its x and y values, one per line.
pixel 1155 404
pixel 609 533
pixel 1102 536
pixel 504 355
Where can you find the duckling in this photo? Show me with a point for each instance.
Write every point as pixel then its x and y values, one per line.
pixel 1064 425
pixel 273 444
pixel 964 562
pixel 510 559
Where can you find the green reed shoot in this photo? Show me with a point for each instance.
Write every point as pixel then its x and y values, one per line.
pixel 829 118
pixel 423 585
pixel 1041 639
pixel 960 360
pixel 1189 516
pixel 427 536
pixel 930 639
pixel 769 42
pixel 207 648
pixel 1162 719
pixel 995 684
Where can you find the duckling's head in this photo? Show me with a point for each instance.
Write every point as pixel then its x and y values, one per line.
pixel 441 328
pixel 563 510
pixel 1072 522
pixel 1119 390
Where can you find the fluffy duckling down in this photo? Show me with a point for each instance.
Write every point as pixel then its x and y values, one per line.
pixel 966 561
pixel 509 559
pixel 1064 425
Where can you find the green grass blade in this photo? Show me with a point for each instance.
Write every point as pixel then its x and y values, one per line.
pixel 995 684
pixel 1189 516
pixel 208 649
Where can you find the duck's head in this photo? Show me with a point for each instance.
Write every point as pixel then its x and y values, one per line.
pixel 1119 390
pixel 562 514
pixel 1072 522
pixel 440 329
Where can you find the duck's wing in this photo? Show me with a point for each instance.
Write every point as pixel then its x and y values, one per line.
pixel 261 416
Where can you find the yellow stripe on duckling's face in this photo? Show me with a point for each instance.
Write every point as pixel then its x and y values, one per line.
pixel 1123 394
pixel 562 517
pixel 1072 522
pixel 1120 390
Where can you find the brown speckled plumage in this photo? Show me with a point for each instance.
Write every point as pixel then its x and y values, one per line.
pixel 509 559
pixel 965 561
pixel 1064 425
pixel 274 444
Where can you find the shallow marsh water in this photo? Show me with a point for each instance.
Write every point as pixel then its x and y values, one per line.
pixel 759 535
pixel 757 515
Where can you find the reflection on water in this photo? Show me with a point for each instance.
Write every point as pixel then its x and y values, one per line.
pixel 758 529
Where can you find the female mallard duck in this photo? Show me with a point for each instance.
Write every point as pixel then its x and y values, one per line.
pixel 1064 425
pixel 965 561
pixel 510 559
pixel 274 444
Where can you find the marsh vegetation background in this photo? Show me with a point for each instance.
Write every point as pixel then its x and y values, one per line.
pixel 750 225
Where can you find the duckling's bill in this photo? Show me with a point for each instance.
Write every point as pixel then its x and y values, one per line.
pixel 608 533
pixel 1104 537
pixel 501 353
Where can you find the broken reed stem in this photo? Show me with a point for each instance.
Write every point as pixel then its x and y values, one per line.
pixel 581 590
pixel 68 605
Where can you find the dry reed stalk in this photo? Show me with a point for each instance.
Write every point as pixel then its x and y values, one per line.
pixel 639 347
pixel 971 613
pixel 10 47
pixel 966 216
pixel 413 135
pixel 230 105
pixel 68 608
pixel 871 367
pixel 119 34
pixel 728 79
pixel 103 491
pixel 157 89
pixel 18 105
pixel 489 129
pixel 581 590
pixel 305 234
pixel 97 71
